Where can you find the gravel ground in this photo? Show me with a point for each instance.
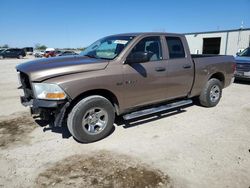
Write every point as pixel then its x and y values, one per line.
pixel 194 147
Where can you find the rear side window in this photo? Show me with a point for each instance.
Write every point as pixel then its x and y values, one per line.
pixel 20 51
pixel 175 47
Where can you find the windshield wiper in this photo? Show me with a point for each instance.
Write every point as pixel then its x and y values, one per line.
pixel 93 56
pixel 104 58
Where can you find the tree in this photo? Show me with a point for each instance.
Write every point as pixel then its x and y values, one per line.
pixel 5 46
pixel 40 47
pixel 81 48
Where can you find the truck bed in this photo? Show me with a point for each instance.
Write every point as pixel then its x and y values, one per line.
pixel 207 65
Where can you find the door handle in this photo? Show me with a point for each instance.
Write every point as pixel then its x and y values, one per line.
pixel 186 66
pixel 160 69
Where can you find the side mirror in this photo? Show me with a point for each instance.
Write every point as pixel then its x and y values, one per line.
pixel 138 57
pixel 238 53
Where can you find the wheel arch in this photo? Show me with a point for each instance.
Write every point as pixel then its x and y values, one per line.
pixel 220 76
pixel 101 92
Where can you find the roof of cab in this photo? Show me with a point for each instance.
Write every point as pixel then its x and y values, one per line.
pixel 146 33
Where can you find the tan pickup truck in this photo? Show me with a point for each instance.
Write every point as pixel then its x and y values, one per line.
pixel 132 75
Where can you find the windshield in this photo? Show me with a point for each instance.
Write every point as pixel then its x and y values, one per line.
pixel 108 47
pixel 245 53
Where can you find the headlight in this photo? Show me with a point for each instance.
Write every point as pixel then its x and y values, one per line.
pixel 48 91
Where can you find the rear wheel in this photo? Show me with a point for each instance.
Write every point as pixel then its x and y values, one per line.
pixel 20 57
pixel 1 57
pixel 91 119
pixel 211 93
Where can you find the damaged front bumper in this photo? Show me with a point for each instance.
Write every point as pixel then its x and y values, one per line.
pixel 49 110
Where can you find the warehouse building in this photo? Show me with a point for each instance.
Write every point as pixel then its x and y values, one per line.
pixel 226 42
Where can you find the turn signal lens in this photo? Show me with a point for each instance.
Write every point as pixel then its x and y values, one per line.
pixel 55 96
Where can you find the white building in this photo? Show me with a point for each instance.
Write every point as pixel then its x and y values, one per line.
pixel 226 42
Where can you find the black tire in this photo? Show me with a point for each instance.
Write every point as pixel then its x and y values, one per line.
pixel 81 113
pixel 209 97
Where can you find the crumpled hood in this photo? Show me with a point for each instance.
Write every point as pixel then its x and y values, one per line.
pixel 39 70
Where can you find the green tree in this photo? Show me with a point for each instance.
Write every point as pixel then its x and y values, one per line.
pixel 40 47
pixel 81 48
pixel 5 46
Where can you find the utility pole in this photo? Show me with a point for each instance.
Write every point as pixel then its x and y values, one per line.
pixel 242 25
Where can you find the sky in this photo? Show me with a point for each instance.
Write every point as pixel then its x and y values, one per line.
pixel 78 23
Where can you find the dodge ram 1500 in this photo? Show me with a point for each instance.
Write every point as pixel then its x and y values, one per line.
pixel 131 75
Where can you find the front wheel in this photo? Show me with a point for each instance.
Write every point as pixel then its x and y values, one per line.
pixel 211 93
pixel 91 119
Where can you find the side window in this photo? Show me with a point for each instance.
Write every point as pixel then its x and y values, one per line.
pixel 175 47
pixel 150 45
pixel 248 52
pixel 249 41
pixel 9 51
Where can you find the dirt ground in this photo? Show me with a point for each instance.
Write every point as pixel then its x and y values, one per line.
pixel 103 169
pixel 193 147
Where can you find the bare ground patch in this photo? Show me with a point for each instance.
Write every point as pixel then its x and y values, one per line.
pixel 15 129
pixel 102 170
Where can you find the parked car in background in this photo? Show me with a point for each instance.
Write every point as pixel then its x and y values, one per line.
pixel 67 53
pixel 28 50
pixel 50 52
pixel 243 65
pixel 12 53
pixel 39 53
pixel 58 52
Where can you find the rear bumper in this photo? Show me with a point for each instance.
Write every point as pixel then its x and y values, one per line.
pixel 242 75
pixel 242 78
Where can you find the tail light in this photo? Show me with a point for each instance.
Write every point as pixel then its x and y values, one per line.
pixel 234 67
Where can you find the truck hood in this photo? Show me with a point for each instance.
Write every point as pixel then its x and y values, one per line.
pixel 239 59
pixel 42 69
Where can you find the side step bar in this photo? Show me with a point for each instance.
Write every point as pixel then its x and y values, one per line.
pixel 157 109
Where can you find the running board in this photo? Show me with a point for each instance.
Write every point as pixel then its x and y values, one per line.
pixel 157 109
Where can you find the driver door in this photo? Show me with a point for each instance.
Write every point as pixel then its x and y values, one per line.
pixel 145 81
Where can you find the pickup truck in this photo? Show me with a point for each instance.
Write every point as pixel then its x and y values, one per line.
pixel 243 65
pixel 129 75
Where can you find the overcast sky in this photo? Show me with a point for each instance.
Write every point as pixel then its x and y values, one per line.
pixel 77 23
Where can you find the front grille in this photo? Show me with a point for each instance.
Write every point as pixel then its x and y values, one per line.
pixel 26 86
pixel 243 67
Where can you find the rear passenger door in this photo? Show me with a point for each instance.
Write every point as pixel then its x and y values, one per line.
pixel 12 53
pixel 16 53
pixel 179 67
